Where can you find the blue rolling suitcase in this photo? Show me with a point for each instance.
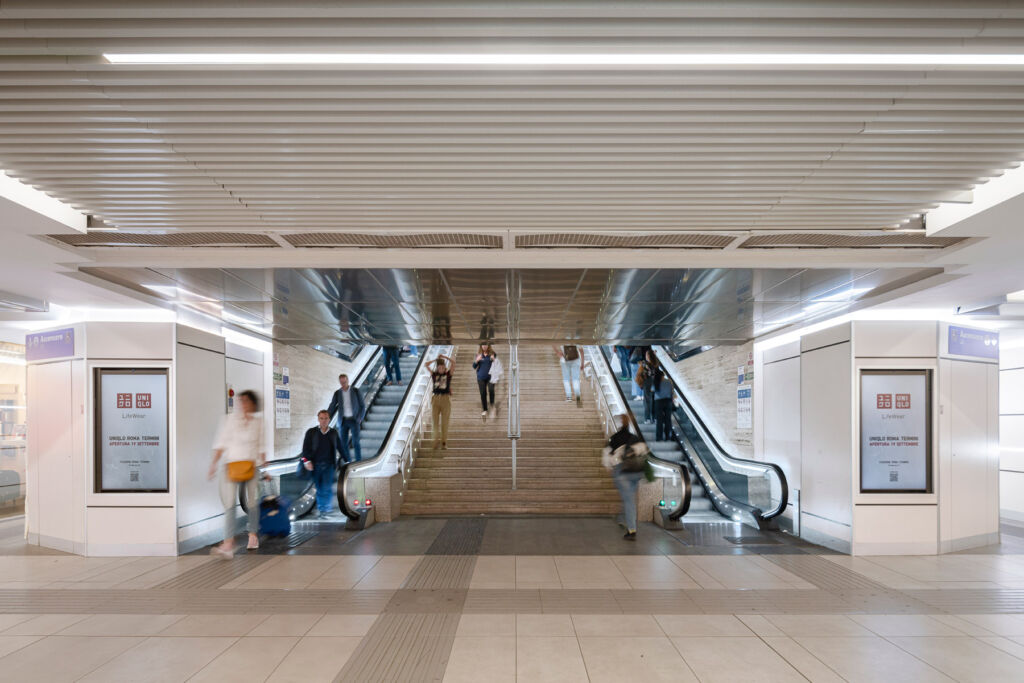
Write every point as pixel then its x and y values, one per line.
pixel 274 516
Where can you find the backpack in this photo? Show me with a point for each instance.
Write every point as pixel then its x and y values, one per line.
pixel 570 353
pixel 633 456
pixel 641 375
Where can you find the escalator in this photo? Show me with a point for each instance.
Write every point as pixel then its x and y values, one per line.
pixel 382 401
pixel 741 490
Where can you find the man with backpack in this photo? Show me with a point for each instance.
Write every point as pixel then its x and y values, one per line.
pixel 571 359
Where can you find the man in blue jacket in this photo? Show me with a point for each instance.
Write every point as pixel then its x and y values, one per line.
pixel 319 455
pixel 348 403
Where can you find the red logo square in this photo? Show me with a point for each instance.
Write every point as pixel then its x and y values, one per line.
pixel 143 400
pixel 883 401
pixel 903 401
pixel 124 400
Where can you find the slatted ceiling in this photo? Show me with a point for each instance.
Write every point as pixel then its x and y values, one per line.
pixel 551 150
pixel 820 241
pixel 414 240
pixel 596 240
pixel 178 239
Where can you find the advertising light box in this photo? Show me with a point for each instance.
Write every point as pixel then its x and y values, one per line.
pixel 895 431
pixel 131 431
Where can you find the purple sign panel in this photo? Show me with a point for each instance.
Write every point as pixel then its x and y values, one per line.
pixel 963 341
pixel 52 344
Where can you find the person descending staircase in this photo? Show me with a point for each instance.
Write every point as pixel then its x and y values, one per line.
pixel 381 413
pixel 558 457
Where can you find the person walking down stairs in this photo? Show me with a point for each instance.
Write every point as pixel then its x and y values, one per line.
pixel 571 359
pixel 441 370
pixel 482 365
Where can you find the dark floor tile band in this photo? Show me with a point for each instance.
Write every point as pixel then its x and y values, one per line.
pixel 215 573
pixel 824 574
pixel 403 647
pixel 441 571
pixel 459 537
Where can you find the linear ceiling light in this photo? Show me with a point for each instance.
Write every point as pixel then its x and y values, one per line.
pixel 570 59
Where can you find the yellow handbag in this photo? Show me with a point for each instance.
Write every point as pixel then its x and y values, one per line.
pixel 241 470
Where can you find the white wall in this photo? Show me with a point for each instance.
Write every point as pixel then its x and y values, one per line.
pixel 1011 435
pixel 777 423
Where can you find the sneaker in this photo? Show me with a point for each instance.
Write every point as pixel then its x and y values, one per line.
pixel 444 446
pixel 217 551
pixel 630 536
pixel 254 544
pixel 568 399
pixel 322 515
pixel 483 413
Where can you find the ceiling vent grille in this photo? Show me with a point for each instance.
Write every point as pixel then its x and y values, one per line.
pixel 822 241
pixel 605 241
pixel 423 240
pixel 174 239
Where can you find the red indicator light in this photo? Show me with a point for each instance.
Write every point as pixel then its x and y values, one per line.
pixel 369 502
pixel 356 503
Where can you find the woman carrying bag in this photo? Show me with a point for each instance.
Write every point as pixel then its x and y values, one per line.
pixel 497 372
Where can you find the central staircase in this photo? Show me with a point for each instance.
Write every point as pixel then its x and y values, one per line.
pixel 558 470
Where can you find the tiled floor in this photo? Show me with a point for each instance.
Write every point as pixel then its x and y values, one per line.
pixel 514 599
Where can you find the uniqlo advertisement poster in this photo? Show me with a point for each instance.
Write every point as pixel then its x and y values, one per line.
pixel 894 425
pixel 132 431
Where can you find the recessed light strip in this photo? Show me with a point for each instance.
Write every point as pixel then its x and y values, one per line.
pixel 568 59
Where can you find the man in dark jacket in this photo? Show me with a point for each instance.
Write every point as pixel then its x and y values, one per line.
pixel 319 455
pixel 348 403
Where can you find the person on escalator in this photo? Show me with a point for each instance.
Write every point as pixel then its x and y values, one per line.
pixel 637 355
pixel 391 365
pixel 626 456
pixel 441 401
pixel 482 365
pixel 625 366
pixel 662 404
pixel 320 448
pixel 349 403
pixel 645 380
pixel 571 359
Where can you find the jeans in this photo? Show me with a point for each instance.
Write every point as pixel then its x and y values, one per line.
pixel 413 351
pixel 350 426
pixel 662 419
pixel 649 403
pixel 229 492
pixel 571 377
pixel 391 366
pixel 627 368
pixel 627 483
pixel 323 479
pixel 440 411
pixel 483 384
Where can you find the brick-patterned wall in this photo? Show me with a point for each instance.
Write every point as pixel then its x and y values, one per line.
pixel 313 377
pixel 710 378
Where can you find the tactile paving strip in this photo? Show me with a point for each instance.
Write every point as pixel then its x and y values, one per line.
pixel 825 575
pixel 459 537
pixel 441 571
pixel 214 573
pixel 403 647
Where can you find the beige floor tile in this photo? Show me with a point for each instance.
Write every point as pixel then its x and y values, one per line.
pixel 555 659
pixel 122 625
pixel 544 625
pixel 734 659
pixel 869 659
pixel 702 625
pixel 248 659
pixel 9 644
pixel 905 625
pixel 817 625
pixel 695 572
pixel 536 572
pixel 494 571
pixel 960 624
pixel 292 573
pixel 998 624
pixel 346 572
pixel 165 572
pixel 285 625
pixel 254 572
pixel 645 572
pixel 354 625
pixel 478 625
pixel 214 625
pixel 964 659
pixel 625 625
pixel 812 668
pixel 628 658
pixel 315 659
pixel 44 624
pixel 482 658
pixel 759 625
pixel 389 573
pixel 1007 645
pixel 62 658
pixel 589 572
pixel 9 620
pixel 161 659
pixel 875 572
pixel 739 572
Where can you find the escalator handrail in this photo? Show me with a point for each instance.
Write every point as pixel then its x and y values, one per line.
pixel 684 474
pixel 710 439
pixel 343 504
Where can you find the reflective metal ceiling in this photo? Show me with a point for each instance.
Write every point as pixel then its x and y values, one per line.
pixel 335 307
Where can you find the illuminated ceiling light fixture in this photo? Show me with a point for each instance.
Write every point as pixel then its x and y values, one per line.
pixel 567 59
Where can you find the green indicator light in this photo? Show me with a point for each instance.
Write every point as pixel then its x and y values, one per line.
pixel 673 503
pixel 661 503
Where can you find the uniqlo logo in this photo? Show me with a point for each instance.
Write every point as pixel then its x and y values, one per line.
pixel 124 400
pixel 143 400
pixel 903 401
pixel 883 401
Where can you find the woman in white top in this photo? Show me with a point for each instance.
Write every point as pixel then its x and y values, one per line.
pixel 497 373
pixel 240 442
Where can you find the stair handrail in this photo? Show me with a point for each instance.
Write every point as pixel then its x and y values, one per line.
pixel 409 413
pixel 614 403
pixel 705 473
